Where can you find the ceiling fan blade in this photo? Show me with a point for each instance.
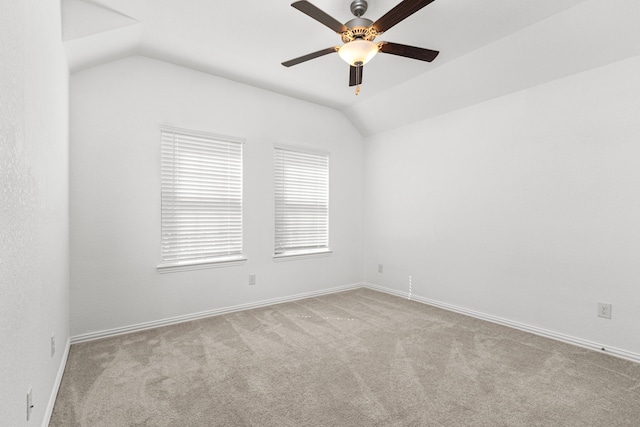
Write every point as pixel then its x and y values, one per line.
pixel 409 51
pixel 310 56
pixel 402 10
pixel 320 16
pixel 355 75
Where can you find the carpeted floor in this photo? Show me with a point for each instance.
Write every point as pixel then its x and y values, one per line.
pixel 356 358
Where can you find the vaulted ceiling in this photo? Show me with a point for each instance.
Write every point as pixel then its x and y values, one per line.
pixel 487 48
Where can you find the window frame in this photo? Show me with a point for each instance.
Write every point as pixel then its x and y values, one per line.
pixel 293 254
pixel 168 266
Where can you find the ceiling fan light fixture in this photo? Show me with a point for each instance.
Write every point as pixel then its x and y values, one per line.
pixel 358 51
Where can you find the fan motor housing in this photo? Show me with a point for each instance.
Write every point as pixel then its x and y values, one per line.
pixel 359 28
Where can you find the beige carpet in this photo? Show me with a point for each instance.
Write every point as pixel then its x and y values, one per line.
pixel 357 358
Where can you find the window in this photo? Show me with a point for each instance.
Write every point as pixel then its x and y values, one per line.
pixel 301 202
pixel 201 200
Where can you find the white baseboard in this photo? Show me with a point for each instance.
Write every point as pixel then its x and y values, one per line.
pixel 56 385
pixel 634 357
pixel 185 318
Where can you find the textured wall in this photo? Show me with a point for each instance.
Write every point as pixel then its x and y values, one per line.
pixel 115 192
pixel 525 207
pixel 33 205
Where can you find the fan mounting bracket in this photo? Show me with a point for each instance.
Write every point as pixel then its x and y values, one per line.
pixel 359 7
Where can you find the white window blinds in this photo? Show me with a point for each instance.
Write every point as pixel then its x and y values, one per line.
pixel 201 197
pixel 301 201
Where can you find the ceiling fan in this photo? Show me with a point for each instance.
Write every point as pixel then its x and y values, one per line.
pixel 358 35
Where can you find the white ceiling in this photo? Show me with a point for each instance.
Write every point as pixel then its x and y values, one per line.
pixel 247 40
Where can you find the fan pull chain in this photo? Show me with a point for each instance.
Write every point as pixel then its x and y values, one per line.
pixel 357 90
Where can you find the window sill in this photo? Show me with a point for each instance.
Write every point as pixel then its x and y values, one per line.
pixel 294 256
pixel 199 265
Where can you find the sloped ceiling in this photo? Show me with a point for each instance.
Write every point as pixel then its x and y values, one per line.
pixel 488 48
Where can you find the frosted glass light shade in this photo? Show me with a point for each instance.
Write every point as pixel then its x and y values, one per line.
pixel 358 51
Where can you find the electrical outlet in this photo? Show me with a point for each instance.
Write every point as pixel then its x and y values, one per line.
pixel 604 310
pixel 53 344
pixel 252 279
pixel 380 268
pixel 29 403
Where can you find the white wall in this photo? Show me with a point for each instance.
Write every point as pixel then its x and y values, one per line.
pixel 115 192
pixel 34 243
pixel 525 207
